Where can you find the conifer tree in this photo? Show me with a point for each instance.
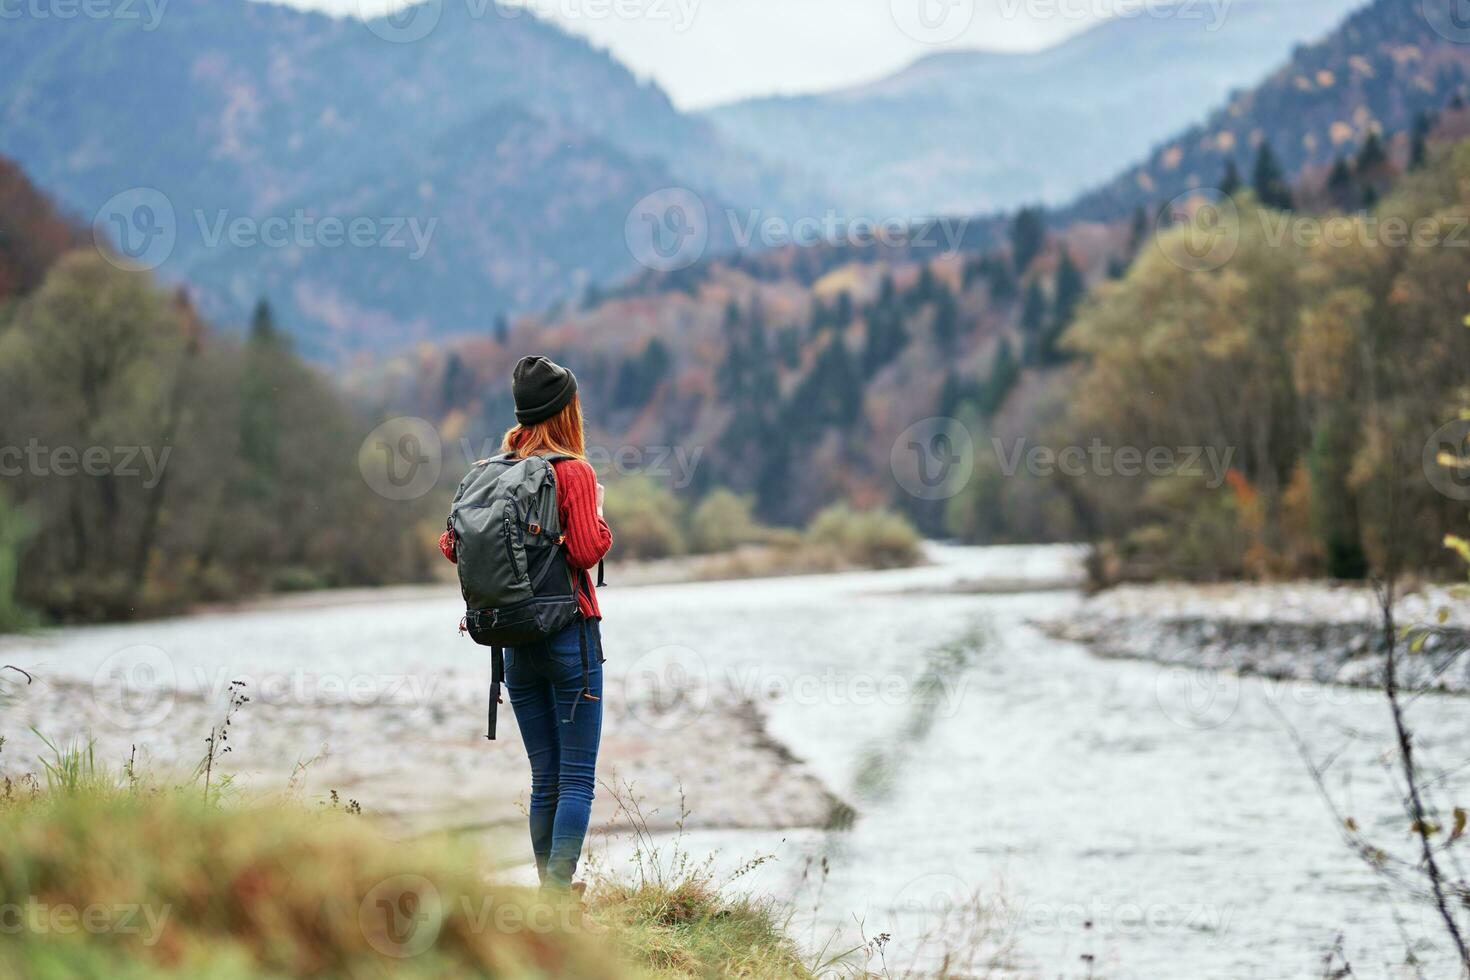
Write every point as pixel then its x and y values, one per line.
pixel 1230 179
pixel 1419 141
pixel 1372 155
pixel 1341 185
pixel 1033 320
pixel 1268 180
pixel 1028 235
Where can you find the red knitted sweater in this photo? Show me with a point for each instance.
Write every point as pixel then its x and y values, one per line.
pixel 588 536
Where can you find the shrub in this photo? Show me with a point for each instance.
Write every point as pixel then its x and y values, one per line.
pixel 869 538
pixel 646 519
pixel 724 521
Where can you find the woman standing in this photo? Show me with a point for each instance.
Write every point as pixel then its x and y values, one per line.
pixel 555 695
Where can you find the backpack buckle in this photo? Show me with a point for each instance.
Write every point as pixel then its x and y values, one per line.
pixel 534 528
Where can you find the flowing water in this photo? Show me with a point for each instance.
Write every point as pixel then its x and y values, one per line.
pixel 1018 801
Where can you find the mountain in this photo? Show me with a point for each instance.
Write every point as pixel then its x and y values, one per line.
pixel 798 374
pixel 502 213
pixel 249 110
pixel 967 132
pixel 1389 65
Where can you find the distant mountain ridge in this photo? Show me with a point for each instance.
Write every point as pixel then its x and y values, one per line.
pixel 1388 65
pixel 258 110
pixel 969 132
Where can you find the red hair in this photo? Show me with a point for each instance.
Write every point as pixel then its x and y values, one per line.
pixel 562 434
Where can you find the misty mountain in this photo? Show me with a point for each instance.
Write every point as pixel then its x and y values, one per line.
pixel 968 132
pixel 521 140
pixel 1386 69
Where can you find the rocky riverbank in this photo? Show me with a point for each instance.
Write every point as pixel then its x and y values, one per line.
pixel 1323 632
pixel 410 749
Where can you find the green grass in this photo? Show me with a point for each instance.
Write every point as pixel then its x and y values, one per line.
pixel 109 877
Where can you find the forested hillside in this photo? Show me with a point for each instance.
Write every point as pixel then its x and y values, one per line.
pixel 796 372
pixel 1382 71
pixel 150 462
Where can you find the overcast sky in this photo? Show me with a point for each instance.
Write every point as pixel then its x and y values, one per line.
pixel 705 52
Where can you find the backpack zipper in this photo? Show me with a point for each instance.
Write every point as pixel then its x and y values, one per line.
pixel 510 554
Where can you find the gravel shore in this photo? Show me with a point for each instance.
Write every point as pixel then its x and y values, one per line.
pixel 416 758
pixel 1313 631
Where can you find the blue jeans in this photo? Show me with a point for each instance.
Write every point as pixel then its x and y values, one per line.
pixel 545 684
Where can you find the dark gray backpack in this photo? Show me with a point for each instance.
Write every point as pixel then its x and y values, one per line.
pixel 518 588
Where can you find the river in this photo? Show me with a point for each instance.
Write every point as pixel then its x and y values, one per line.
pixel 1057 814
